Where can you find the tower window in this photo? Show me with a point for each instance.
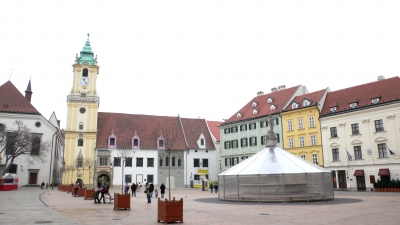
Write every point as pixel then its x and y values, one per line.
pixel 80 142
pixel 80 126
pixel 85 72
pixel 82 110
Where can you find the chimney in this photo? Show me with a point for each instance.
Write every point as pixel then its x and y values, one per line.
pixel 260 93
pixel 28 91
pixel 381 77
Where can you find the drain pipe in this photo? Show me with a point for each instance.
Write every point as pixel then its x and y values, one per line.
pixel 51 155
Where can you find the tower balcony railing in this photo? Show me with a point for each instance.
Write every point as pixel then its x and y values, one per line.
pixel 82 98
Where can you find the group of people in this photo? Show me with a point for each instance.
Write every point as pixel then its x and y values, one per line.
pixel 149 189
pixel 214 186
pixel 47 186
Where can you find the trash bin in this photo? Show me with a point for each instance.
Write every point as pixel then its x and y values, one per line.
pixel 191 184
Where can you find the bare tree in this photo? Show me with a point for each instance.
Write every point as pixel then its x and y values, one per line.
pixel 89 164
pixel 20 142
pixel 124 153
pixel 170 132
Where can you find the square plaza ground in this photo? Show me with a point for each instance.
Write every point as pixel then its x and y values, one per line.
pixel 30 205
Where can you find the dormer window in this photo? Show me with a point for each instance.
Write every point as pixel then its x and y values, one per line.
pixel 112 141
pixel 272 107
pixel 255 104
pixel 306 103
pixel 270 100
pixel 294 105
pixel 135 142
pixel 333 109
pixel 255 111
pixel 161 143
pixel 374 100
pixel 353 105
pixel 202 142
pixel 239 115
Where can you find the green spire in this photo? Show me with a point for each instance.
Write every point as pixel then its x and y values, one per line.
pixel 87 54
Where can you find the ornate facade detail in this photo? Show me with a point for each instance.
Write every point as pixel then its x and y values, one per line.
pixel 390 117
pixel 103 153
pixel 342 124
pixel 324 128
pixel 365 121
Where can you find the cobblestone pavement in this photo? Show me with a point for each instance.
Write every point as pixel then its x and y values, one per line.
pixel 35 206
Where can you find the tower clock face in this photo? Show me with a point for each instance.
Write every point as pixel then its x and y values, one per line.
pixel 85 81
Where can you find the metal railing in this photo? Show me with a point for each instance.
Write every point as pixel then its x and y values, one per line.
pixel 80 98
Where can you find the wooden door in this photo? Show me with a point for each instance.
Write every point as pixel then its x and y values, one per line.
pixel 361 184
pixel 32 178
pixel 342 179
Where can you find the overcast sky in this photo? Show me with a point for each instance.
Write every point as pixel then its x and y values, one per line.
pixel 195 58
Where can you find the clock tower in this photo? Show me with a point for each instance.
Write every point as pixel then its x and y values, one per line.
pixel 81 129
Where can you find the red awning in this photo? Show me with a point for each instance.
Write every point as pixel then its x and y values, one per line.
pixel 359 173
pixel 384 172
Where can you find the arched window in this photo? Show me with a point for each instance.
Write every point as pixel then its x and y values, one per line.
pixel 173 161
pixel 166 161
pixel 160 162
pixel 79 160
pixel 80 126
pixel 179 163
pixel 80 142
pixel 35 146
pixel 85 72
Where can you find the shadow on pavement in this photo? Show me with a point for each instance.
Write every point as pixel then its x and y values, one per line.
pixel 335 201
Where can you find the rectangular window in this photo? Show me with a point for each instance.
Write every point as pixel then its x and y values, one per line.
pixel 354 129
pixel 234 129
pixel 173 161
pixel 128 178
pixel 139 162
pixel 202 142
pixel 227 145
pixel 227 130
pixel 161 143
pixel 205 162
pixel 333 132
pixel 253 141
pixel 117 161
pixel 335 154
pixel 112 141
pixel 302 141
pixel 291 143
pixel 243 142
pixel 227 162
pixel 382 150
pixel 315 158
pixel 311 120
pixel 103 162
pixel 196 162
pixel 252 126
pixel 264 139
pixel 379 125
pixel 150 178
pixel 196 177
pixel 166 161
pixel 277 138
pixel 303 157
pixel 313 140
pixel 243 127
pixel 11 141
pixel 128 162
pixel 234 143
pixel 150 162
pixel 300 121
pixel 263 124
pixel 290 125
pixel 136 142
pixel 357 152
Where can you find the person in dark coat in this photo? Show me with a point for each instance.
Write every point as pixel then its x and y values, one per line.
pixel 162 188
pixel 211 187
pixel 96 196
pixel 216 188
pixel 133 188
pixel 151 190
pixel 147 191
pixel 103 191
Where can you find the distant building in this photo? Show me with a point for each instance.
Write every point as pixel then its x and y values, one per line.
pixel 301 127
pixel 244 133
pixel 14 106
pixel 360 134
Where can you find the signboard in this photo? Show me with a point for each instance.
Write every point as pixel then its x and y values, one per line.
pixel 202 172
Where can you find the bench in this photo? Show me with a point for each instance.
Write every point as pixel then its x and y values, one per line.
pixel 108 196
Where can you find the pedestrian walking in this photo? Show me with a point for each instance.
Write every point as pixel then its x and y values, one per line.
pixel 47 186
pixel 216 188
pixel 151 190
pixel 126 188
pixel 133 188
pixel 147 191
pixel 156 193
pixel 211 187
pixel 162 189
pixel 42 186
pixel 103 191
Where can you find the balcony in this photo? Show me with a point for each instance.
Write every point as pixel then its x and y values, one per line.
pixel 81 98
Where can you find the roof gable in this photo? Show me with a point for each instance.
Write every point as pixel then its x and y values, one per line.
pixel 313 98
pixel 193 129
pixel 13 101
pixel 213 126
pixel 387 90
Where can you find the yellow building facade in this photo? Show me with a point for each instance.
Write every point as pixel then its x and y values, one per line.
pixel 301 127
pixel 81 127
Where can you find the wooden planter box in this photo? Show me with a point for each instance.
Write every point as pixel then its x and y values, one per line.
pixel 89 194
pixel 122 201
pixel 70 189
pixel 81 192
pixel 170 211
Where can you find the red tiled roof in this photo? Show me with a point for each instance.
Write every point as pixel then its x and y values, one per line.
pixel 280 99
pixel 12 101
pixel 148 129
pixel 313 97
pixel 388 90
pixel 193 129
pixel 214 128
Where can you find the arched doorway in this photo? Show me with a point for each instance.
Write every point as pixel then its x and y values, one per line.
pixel 103 180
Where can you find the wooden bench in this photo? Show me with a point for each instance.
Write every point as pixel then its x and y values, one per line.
pixel 108 196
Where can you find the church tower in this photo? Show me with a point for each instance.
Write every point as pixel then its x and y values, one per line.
pixel 81 129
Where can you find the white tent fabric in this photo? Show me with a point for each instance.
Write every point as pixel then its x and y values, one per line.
pixel 274 160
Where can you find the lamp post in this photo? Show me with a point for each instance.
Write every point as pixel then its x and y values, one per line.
pixel 169 174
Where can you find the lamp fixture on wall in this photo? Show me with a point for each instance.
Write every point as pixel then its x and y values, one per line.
pixel 22 168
